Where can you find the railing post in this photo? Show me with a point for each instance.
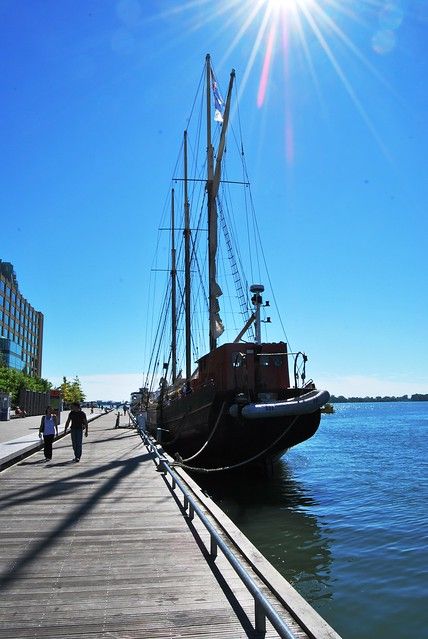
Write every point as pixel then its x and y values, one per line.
pixel 185 502
pixel 191 511
pixel 259 617
pixel 213 549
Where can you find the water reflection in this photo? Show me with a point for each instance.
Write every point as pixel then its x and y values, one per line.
pixel 278 515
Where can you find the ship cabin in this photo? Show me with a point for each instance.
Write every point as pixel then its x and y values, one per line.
pixel 246 367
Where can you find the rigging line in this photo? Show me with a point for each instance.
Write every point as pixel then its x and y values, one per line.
pixel 231 228
pixel 257 233
pixel 196 150
pixel 155 367
pixel 243 463
pixel 158 351
pixel 246 178
pixel 239 119
pixel 199 307
pixel 195 255
pixel 227 306
pixel 247 224
pixel 240 146
pixel 164 309
pixel 198 90
pixel 154 263
pixel 180 316
pixel 268 276
pixel 194 259
pixel 209 438
pixel 154 344
pixel 152 279
pixel 146 336
pixel 233 265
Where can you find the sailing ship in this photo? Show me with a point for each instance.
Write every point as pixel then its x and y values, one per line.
pixel 237 406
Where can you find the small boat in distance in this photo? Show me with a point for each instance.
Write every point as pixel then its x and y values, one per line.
pixel 237 407
pixel 328 409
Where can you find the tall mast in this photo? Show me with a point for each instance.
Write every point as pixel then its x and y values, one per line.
pixel 187 265
pixel 173 294
pixel 212 218
pixel 213 183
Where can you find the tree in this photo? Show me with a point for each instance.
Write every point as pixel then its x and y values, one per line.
pixel 72 391
pixel 12 381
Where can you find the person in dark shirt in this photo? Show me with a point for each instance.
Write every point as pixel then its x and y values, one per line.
pixel 78 421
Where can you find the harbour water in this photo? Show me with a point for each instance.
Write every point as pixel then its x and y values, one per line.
pixel 345 518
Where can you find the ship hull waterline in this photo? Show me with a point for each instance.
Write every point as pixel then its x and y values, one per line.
pixel 199 430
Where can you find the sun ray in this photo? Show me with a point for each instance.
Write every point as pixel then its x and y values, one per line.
pixel 266 65
pixel 302 28
pixel 326 19
pixel 288 128
pixel 259 38
pixel 347 85
pixel 309 61
pixel 245 26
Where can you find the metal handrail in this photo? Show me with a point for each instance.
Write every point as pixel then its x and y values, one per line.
pixel 262 607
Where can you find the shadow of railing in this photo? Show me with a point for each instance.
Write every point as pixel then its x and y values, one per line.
pixel 124 468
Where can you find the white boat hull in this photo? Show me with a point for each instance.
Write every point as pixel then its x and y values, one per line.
pixel 303 405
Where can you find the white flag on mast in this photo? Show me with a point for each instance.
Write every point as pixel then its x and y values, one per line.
pixel 218 101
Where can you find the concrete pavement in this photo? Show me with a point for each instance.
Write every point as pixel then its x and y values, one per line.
pixel 20 437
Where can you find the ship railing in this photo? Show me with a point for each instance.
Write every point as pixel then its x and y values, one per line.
pixel 262 608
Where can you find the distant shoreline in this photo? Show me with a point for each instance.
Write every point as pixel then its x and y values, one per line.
pixel 354 400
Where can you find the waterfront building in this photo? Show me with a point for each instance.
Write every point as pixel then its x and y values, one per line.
pixel 21 326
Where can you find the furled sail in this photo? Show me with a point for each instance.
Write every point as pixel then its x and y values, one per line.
pixel 216 324
pixel 217 327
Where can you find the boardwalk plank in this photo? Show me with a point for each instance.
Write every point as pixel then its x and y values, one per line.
pixel 100 549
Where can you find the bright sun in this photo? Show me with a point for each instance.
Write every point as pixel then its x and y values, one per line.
pixel 284 27
pixel 288 5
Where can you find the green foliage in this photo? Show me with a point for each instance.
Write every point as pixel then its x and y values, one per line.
pixel 11 381
pixel 72 391
pixel 404 398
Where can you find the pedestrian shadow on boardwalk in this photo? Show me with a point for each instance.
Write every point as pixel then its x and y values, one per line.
pixel 47 490
pixel 124 468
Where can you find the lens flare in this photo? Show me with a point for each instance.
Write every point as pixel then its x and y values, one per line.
pixel 308 30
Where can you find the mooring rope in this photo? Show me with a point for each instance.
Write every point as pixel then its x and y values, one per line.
pixel 209 438
pixel 247 461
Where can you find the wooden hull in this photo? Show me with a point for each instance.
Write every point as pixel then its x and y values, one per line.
pixel 186 424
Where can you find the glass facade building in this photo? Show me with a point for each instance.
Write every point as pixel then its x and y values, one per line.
pixel 21 326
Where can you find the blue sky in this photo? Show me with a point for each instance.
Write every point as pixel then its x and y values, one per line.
pixel 95 96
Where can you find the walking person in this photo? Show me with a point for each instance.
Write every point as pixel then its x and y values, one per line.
pixel 78 421
pixel 48 429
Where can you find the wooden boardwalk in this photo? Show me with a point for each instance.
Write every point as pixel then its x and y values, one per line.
pixel 100 548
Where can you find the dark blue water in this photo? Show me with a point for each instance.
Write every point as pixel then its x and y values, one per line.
pixel 345 518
